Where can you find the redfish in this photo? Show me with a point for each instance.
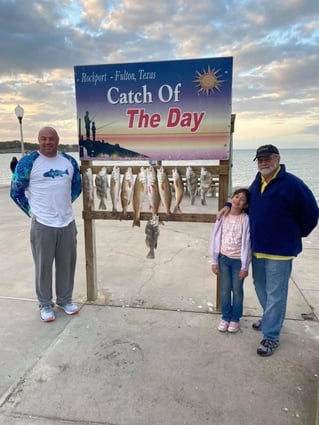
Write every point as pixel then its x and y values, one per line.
pixel 153 190
pixel 138 195
pixel 164 190
pixel 126 191
pixel 115 188
pixel 179 190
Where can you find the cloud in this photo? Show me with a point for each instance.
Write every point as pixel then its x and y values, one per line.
pixel 274 46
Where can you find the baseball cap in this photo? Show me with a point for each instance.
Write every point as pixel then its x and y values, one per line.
pixel 266 150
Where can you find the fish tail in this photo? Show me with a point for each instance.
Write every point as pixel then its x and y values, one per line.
pixel 151 254
pixel 124 213
pixel 91 203
pixel 102 205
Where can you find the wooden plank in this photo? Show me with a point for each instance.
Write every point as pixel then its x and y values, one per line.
pixel 90 259
pixel 144 216
pixel 90 248
pixel 223 184
pixel 214 169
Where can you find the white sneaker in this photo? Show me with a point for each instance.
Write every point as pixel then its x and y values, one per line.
pixel 69 308
pixel 47 314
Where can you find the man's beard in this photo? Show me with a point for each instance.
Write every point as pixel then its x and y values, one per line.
pixel 269 170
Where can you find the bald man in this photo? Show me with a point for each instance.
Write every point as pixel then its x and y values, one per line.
pixel 44 185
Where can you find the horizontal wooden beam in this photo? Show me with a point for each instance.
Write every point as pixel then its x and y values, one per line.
pixel 145 216
pixel 215 170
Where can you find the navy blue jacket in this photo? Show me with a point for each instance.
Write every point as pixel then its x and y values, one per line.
pixel 280 216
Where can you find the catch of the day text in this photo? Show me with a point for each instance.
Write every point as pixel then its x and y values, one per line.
pixel 140 118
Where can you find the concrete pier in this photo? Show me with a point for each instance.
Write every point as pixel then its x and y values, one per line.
pixel 148 352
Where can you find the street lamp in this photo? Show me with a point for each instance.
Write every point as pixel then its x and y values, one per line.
pixel 19 113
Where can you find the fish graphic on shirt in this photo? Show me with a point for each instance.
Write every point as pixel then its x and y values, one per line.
pixel 55 173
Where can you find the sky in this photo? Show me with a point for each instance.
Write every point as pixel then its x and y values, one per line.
pixel 274 45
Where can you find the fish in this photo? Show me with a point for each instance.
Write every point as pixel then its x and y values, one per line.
pixel 115 187
pixel 55 173
pixel 88 187
pixel 153 190
pixel 101 184
pixel 205 184
pixel 164 190
pixel 138 195
pixel 179 190
pixel 126 191
pixel 152 233
pixel 191 182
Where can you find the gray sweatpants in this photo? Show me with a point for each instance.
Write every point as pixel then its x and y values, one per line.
pixel 52 244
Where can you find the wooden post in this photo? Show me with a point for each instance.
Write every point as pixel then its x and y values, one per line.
pixel 89 242
pixel 222 198
pixel 225 189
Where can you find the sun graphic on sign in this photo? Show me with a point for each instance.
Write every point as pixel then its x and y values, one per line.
pixel 208 81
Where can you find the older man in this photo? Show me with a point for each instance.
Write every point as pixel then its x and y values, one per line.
pixel 282 210
pixel 52 181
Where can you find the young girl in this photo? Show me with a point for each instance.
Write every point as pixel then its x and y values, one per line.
pixel 231 256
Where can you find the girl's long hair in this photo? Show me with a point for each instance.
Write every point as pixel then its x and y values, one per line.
pixel 245 191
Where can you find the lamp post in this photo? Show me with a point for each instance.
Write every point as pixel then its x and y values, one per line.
pixel 19 113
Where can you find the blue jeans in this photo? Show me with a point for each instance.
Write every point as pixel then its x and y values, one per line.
pixel 271 279
pixel 231 288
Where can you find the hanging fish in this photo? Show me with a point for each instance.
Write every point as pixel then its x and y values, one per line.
pixel 115 187
pixel 205 184
pixel 138 195
pixel 164 190
pixel 126 191
pixel 192 182
pixel 152 233
pixel 179 190
pixel 101 185
pixel 88 187
pixel 153 190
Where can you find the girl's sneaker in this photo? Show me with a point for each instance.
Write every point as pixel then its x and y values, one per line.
pixel 223 326
pixel 233 327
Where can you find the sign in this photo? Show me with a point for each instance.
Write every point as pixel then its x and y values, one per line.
pixel 168 110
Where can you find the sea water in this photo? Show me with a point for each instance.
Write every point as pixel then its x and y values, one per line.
pixel 301 162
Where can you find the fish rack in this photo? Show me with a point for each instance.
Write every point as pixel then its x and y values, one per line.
pixel 221 176
pixel 220 179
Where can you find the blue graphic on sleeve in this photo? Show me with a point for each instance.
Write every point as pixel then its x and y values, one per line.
pixel 55 173
pixel 21 177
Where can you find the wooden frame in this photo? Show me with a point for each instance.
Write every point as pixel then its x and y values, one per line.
pixel 222 171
